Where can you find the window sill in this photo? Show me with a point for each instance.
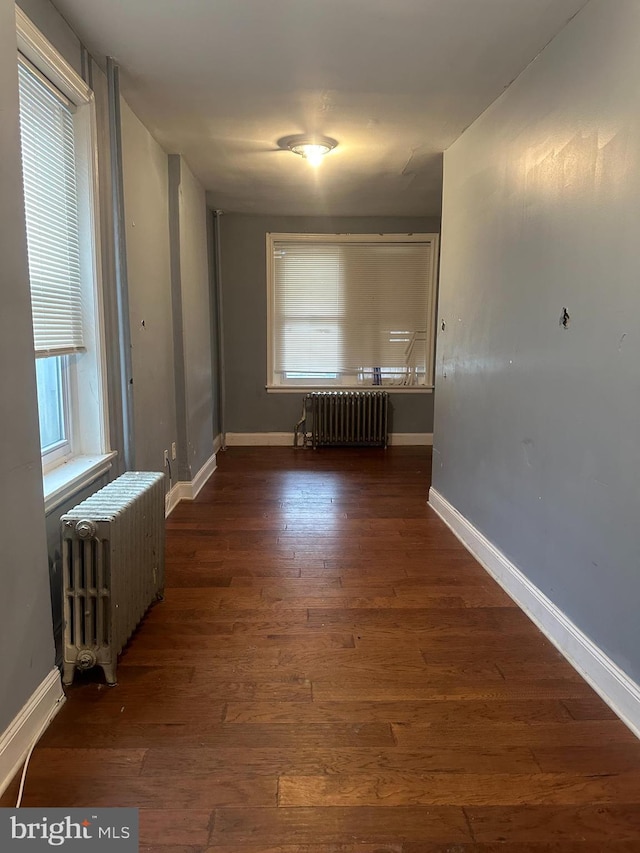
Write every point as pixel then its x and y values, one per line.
pixel 307 389
pixel 63 482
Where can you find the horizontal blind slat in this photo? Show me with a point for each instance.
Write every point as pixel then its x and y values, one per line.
pixel 51 211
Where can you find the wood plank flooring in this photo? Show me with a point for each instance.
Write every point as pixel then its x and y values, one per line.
pixel 332 673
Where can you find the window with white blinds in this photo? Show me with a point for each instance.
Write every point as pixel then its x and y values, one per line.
pixel 51 207
pixel 59 161
pixel 351 310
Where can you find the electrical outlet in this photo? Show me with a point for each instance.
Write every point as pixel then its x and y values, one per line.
pixel 166 458
pixel 173 450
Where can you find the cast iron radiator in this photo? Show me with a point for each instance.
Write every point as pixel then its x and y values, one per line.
pixel 112 569
pixel 351 418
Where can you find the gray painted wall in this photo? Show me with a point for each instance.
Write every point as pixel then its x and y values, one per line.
pixel 146 202
pixel 25 614
pixel 244 268
pixel 536 427
pixel 215 342
pixel 192 340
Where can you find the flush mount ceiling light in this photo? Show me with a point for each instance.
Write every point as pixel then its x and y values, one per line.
pixel 312 148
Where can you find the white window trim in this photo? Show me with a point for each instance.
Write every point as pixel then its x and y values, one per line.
pixel 43 55
pixel 92 456
pixel 56 455
pixel 62 483
pixel 274 237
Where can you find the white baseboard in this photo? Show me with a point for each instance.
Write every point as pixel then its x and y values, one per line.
pixel 424 439
pixel 202 476
pixel 172 499
pixel 285 439
pixel 617 689
pixel 185 490
pixel 38 712
pixel 259 439
pixel 217 443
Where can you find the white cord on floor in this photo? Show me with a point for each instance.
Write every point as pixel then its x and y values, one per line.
pixel 23 778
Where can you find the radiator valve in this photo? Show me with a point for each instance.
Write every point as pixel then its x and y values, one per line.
pixel 86 659
pixel 85 529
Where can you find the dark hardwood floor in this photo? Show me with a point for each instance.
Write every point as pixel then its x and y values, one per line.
pixel 331 671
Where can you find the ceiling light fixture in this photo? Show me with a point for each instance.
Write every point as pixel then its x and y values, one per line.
pixel 312 148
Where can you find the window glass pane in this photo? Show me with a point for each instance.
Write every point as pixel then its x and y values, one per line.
pixel 51 406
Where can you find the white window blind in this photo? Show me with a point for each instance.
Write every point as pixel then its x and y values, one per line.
pixel 349 312
pixel 51 207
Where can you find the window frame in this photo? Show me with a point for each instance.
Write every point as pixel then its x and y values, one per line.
pixel 272 385
pixel 87 455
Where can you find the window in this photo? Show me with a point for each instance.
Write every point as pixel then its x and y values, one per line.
pixel 57 129
pixel 351 311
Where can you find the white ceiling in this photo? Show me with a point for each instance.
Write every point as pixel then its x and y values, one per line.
pixel 394 81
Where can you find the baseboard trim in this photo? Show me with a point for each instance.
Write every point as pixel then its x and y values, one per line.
pixel 185 490
pixel 617 689
pixel 172 499
pixel 259 439
pixel 285 439
pixel 38 712
pixel 202 476
pixel 217 443
pixel 422 439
